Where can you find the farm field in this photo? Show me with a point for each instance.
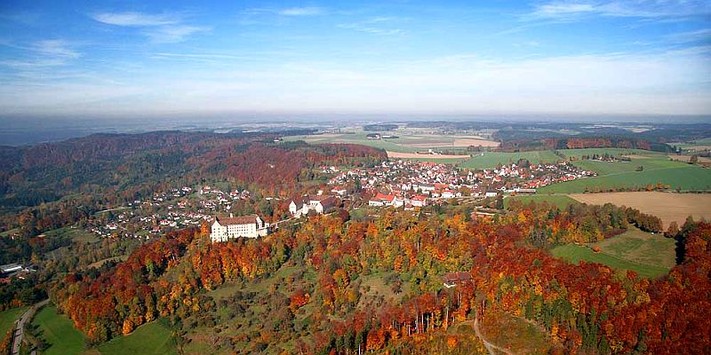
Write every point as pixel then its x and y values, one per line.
pixel 418 156
pixel 59 332
pixel 619 175
pixel 402 144
pixel 577 153
pixel 648 255
pixel 697 145
pixel 687 158
pixel 560 201
pixel 488 160
pixel 667 206
pixel 151 338
pixel 8 318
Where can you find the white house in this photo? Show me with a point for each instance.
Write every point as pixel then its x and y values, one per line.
pixel 381 200
pixel 418 201
pixel 339 190
pixel 447 194
pixel 318 203
pixel 250 226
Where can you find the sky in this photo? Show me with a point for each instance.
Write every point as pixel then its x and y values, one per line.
pixel 123 58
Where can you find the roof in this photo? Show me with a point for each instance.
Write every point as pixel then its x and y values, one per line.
pixel 454 277
pixel 319 197
pixel 383 197
pixel 328 202
pixel 249 219
pixel 10 267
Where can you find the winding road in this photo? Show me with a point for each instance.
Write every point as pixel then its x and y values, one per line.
pixel 20 326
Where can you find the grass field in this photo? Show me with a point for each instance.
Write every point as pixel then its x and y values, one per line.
pixel 577 153
pixel 8 318
pixel 488 160
pixel 657 168
pixel 58 331
pixel 151 338
pixel 560 201
pixel 650 256
pixel 76 234
pixel 515 334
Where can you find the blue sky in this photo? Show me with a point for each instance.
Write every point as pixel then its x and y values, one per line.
pixel 113 58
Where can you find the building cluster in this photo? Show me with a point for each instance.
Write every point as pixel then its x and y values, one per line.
pixel 178 208
pixel 415 184
pixel 10 271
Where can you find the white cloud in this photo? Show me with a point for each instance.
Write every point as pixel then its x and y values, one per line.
pixel 43 57
pixel 159 28
pixel 136 19
pixel 570 10
pixel 377 25
pixel 301 11
pixel 56 48
pixel 703 35
pixel 173 34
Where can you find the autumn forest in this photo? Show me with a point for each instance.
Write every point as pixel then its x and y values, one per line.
pixel 346 282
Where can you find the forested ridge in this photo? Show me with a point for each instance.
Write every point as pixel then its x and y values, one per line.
pixel 49 185
pixel 588 308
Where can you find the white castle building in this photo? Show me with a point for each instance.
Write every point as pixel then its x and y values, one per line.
pixel 319 204
pixel 250 226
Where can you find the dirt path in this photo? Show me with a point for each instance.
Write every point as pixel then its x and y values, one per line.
pixel 20 326
pixel 489 346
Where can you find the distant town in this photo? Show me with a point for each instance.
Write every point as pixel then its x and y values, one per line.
pixel 395 183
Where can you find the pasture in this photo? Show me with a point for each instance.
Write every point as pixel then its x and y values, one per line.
pixel 656 168
pixel 560 201
pixel 648 255
pixel 667 206
pixel 151 338
pixel 578 153
pixel 8 318
pixel 489 160
pixel 59 332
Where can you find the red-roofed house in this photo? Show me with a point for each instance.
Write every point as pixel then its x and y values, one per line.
pixel 381 200
pixel 419 201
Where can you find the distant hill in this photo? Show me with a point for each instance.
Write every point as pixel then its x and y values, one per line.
pixel 109 169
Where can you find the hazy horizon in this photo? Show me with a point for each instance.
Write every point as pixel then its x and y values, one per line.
pixel 22 130
pixel 581 58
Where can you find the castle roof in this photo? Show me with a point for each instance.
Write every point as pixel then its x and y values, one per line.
pixel 248 219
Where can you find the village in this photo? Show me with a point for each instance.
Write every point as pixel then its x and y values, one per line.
pixel 398 183
pixel 411 184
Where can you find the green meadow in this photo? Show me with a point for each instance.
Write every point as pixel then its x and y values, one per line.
pixel 488 160
pixel 151 338
pixel 648 255
pixel 8 318
pixel 58 332
pixel 560 201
